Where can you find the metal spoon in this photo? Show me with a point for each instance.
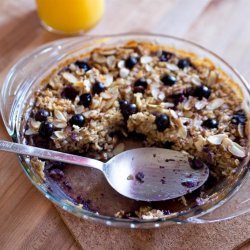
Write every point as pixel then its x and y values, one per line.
pixel 146 174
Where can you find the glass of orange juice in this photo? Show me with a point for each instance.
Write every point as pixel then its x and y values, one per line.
pixel 70 16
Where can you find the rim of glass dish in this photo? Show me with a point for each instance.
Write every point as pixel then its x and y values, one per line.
pixel 132 223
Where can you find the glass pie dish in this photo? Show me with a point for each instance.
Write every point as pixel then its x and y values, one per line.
pixel 225 200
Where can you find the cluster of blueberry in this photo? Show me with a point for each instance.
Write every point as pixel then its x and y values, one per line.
pixel 162 121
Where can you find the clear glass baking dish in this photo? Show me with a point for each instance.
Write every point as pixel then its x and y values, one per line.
pixel 228 199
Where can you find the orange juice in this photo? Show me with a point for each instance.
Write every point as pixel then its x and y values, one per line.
pixel 70 16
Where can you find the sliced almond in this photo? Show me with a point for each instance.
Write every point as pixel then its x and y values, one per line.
pixel 35 124
pixel 237 150
pixel 214 104
pixel 182 132
pixel 59 134
pixel 155 91
pixel 60 124
pixel 91 114
pixel 173 114
pixel 199 105
pixel 121 64
pixel 124 72
pixel 138 97
pixel 241 130
pixel 187 104
pixel 69 77
pixel 172 67
pixel 86 85
pixel 167 105
pixel 216 139
pixel 96 103
pixel 196 122
pixel 111 61
pixel 161 96
pixel 212 78
pixel 76 128
pixel 109 104
pixel 108 52
pixel 226 142
pixel 146 59
pixel 196 80
pixel 60 116
pixel 99 58
pixel 108 80
pixel 106 95
pixel 79 109
pixel 148 68
pixel 31 131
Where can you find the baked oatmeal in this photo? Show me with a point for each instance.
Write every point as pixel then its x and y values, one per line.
pixel 160 96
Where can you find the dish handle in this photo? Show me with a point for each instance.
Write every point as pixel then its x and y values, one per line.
pixel 238 204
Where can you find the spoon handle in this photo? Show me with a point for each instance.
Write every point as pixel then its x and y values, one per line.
pixel 50 154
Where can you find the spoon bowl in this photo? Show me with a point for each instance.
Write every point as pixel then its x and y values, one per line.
pixel 154 174
pixel 145 174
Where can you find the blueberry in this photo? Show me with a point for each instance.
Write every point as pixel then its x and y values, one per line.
pixel 196 163
pixel 123 104
pixel 46 129
pixel 41 115
pixel 162 122
pixel 140 85
pixel 239 118
pixel 190 184
pixel 70 93
pixel 83 65
pixel 77 120
pixel 210 123
pixel 168 80
pixel 128 110
pixel 141 82
pixel 183 63
pixel 165 56
pixel 139 89
pixel 179 98
pixel 202 91
pixel 98 87
pixel 85 100
pixel 131 62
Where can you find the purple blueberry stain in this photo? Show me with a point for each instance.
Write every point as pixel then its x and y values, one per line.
pixel 139 177
pixel 168 160
pixel 86 203
pixel 56 174
pixel 74 136
pixel 67 185
pixel 190 184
